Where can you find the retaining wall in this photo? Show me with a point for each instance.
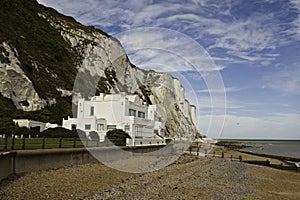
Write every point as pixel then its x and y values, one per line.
pixel 6 164
pixel 24 161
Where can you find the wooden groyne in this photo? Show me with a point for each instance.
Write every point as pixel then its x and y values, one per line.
pixel 277 162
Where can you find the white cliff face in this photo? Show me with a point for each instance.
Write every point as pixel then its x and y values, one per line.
pixel 176 110
pixel 103 52
pixel 14 84
pixel 103 57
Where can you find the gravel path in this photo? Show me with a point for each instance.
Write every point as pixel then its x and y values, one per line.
pixel 188 178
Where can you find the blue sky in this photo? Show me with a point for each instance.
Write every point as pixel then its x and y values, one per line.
pixel 250 49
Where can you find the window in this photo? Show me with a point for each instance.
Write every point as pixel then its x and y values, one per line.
pixel 87 127
pixel 127 128
pixel 100 127
pixel 141 114
pixel 139 131
pixel 132 112
pixel 111 127
pixel 92 111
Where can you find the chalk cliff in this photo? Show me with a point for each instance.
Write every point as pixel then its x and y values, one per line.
pixel 90 58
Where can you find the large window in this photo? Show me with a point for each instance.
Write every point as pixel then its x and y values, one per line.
pixel 87 127
pixel 132 112
pixel 141 114
pixel 111 127
pixel 92 111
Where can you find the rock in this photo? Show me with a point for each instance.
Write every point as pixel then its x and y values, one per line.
pixel 14 84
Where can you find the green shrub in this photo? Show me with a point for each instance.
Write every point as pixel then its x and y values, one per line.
pixel 59 132
pixel 94 136
pixel 19 131
pixel 117 136
pixel 81 134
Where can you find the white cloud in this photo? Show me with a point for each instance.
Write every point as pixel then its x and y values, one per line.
pixel 245 39
pixel 151 47
pixel 281 126
pixel 242 39
pixel 296 30
pixel 286 80
pixel 226 90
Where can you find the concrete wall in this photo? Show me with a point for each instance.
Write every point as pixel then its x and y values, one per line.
pixel 6 164
pixel 43 159
pixel 24 161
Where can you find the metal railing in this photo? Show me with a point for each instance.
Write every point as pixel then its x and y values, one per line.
pixel 13 143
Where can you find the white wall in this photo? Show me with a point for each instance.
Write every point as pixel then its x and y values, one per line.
pixel 145 141
pixel 30 123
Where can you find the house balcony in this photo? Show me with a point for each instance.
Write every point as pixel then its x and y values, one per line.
pixel 140 121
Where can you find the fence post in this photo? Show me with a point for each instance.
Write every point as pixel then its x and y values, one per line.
pixel 198 149
pixel 74 142
pixel 231 157
pixel 5 142
pixel 223 155
pixel 13 142
pixel 43 142
pixel 98 142
pixel 60 142
pixel 86 142
pixel 190 150
pixel 106 141
pixel 23 142
pixel 240 158
pixel 214 154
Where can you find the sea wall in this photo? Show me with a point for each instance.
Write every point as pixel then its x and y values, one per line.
pixel 25 161
pixel 6 164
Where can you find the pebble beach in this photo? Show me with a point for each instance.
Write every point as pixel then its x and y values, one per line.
pixel 189 177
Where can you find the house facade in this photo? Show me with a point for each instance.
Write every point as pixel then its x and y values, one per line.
pixel 115 111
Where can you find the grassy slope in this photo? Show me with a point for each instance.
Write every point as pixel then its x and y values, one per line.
pixel 36 41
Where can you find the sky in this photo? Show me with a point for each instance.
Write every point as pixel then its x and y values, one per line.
pixel 238 60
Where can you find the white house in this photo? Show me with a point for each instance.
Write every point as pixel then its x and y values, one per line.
pixel 41 126
pixel 32 124
pixel 116 111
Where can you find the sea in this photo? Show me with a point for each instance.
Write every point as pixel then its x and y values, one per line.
pixel 284 148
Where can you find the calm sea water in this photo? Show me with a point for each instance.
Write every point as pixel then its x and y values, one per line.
pixel 288 148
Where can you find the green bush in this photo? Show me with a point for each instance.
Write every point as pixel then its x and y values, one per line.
pixel 8 127
pixel 59 132
pixel 94 136
pixel 81 134
pixel 117 136
pixel 19 131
